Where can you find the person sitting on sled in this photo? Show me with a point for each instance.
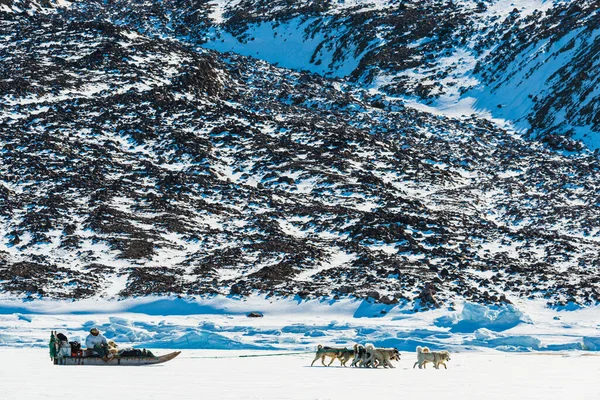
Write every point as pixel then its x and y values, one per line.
pixel 96 342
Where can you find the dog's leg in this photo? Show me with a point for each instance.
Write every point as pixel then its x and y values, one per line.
pixel 414 365
pixel 387 363
pixel 316 358
pixel 331 362
pixel 323 360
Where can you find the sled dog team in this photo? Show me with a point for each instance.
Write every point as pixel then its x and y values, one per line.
pixel 369 356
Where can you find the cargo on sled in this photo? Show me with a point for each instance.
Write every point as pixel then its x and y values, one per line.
pixel 63 352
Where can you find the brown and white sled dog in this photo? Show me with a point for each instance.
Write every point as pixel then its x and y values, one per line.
pixel 424 355
pixel 325 351
pixel 377 356
pixel 345 355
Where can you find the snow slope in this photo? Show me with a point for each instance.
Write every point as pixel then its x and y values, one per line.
pixel 530 62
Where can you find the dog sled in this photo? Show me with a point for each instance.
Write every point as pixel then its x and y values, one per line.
pixel 63 352
pixel 116 360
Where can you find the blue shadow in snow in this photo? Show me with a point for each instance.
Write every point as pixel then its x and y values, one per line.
pixel 367 309
pixel 201 340
pixel 570 306
pixel 4 310
pixel 165 307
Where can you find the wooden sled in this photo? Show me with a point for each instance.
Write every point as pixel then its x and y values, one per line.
pixel 115 360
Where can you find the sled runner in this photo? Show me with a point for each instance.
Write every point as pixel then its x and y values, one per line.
pixel 117 360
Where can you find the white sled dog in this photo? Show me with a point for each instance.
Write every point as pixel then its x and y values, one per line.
pixel 424 355
pixel 377 356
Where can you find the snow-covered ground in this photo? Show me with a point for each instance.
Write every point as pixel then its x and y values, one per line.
pixel 523 351
pixel 28 374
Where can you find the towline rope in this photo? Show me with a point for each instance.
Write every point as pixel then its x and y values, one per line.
pixel 256 355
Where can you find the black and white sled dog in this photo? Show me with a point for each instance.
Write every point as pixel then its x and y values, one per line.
pixel 371 356
pixel 360 355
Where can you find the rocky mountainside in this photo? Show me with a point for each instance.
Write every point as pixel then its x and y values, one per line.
pixel 530 62
pixel 139 159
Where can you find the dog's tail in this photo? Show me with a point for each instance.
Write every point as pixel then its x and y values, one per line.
pixel 319 347
pixel 369 346
pixel 422 350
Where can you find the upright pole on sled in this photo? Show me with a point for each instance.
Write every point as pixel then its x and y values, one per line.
pixel 53 347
